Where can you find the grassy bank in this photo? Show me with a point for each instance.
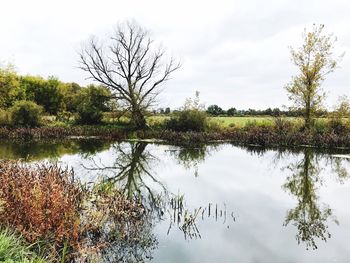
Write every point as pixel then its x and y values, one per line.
pixel 326 133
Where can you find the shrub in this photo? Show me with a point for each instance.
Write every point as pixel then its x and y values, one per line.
pixel 188 120
pixel 89 114
pixel 40 202
pixel 338 126
pixel 282 125
pixel 26 113
pixel 93 101
pixel 5 118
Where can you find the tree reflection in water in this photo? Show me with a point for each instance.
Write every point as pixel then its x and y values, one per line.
pixel 192 157
pixel 131 174
pixel 309 216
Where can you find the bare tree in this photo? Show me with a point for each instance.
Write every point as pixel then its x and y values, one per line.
pixel 130 66
pixel 314 60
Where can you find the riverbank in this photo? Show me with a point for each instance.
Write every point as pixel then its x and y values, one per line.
pixel 333 135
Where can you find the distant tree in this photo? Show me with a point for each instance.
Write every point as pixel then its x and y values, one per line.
pixel 342 109
pixel 268 112
pixel 130 67
pixel 314 60
pixel 231 111
pixel 276 112
pixel 214 110
pixel 167 110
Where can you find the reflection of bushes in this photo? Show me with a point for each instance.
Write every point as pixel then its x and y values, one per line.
pixel 41 149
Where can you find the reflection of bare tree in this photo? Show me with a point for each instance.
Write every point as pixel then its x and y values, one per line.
pixel 131 174
pixel 131 171
pixel 308 216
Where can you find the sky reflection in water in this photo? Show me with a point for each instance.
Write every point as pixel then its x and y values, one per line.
pixel 249 205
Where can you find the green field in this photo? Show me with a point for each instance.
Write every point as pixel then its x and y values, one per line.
pixel 227 121
pixel 241 121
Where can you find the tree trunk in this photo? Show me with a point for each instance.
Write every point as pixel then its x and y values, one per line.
pixel 307 116
pixel 138 119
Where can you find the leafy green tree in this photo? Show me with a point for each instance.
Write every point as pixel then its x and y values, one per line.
pixel 70 92
pixel 46 93
pixel 231 111
pixel 93 100
pixel 10 88
pixel 214 110
pixel 314 60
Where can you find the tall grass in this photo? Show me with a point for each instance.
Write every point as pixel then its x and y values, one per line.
pixel 14 248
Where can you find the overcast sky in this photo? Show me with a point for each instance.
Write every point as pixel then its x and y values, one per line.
pixel 234 52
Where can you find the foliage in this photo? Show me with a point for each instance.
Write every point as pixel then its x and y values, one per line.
pixel 10 88
pixel 214 110
pixel 5 118
pixel 314 59
pixel 70 92
pixel 188 120
pixel 26 113
pixel 46 93
pixel 231 111
pixel 192 117
pixel 92 102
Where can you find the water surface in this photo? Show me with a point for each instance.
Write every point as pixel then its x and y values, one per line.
pixel 249 205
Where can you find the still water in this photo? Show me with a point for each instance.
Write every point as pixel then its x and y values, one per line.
pixel 243 204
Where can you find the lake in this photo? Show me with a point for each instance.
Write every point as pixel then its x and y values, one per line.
pixel 217 202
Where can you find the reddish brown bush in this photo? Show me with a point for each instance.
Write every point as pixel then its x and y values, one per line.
pixel 40 201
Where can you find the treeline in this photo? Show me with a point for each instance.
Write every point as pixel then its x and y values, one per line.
pixel 215 110
pixel 52 96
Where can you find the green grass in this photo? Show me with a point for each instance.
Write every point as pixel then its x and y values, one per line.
pixel 241 121
pixel 14 249
pixel 226 122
